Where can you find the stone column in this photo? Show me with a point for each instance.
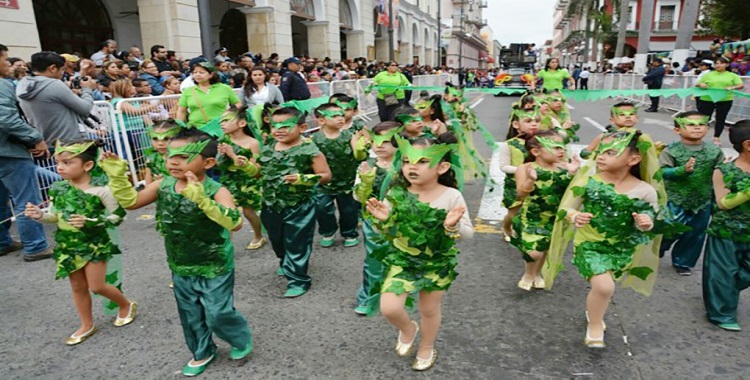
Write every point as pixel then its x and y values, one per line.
pixel 405 49
pixel 381 49
pixel 317 39
pixel 172 23
pixel 259 25
pixel 355 43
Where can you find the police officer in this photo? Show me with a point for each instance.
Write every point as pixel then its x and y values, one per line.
pixel 293 86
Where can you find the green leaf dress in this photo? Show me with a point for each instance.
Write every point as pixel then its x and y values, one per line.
pixel 245 189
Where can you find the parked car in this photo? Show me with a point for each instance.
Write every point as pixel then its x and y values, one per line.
pixel 514 77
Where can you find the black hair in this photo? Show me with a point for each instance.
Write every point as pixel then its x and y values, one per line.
pixel 137 82
pixel 403 110
pixel 436 106
pixel 621 104
pixel 196 135
pixel 89 154
pixel 42 60
pixel 324 107
pixel 739 133
pixel 155 49
pixel 635 170
pixel 3 48
pixel 165 124
pixel 513 132
pixel 532 143
pixel 526 99
pixel 448 178
pixel 723 60
pixel 290 111
pixel 546 64
pixel 250 87
pixel 238 79
pixel 214 75
pixel 241 114
pixel 386 126
pixel 341 97
pixel 685 114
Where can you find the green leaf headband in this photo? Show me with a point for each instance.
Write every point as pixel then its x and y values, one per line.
pixel 425 104
pixel 556 99
pixel 208 66
pixel 617 111
pixel 330 114
pixel 541 99
pixel 522 113
pixel 352 104
pixel 288 123
pixel 73 149
pixel 414 154
pixel 549 144
pixel 378 140
pixel 455 91
pixel 191 150
pixel 685 121
pixel 408 118
pixel 619 142
pixel 167 134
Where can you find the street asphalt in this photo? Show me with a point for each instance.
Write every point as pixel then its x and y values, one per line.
pixel 491 329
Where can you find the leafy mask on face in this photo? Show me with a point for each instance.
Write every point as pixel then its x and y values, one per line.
pixel 683 122
pixel 556 99
pixel 527 114
pixel 378 140
pixel 617 142
pixel 413 154
pixel 192 150
pixel 549 144
pixel 347 106
pixel 73 149
pixel 330 114
pixel 291 122
pixel 423 105
pixel 625 111
pixel 164 134
pixel 406 119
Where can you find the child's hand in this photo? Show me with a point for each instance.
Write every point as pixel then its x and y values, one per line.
pixel 531 173
pixel 240 161
pixel 377 209
pixel 702 85
pixel 364 168
pixel 690 165
pixel 291 178
pixel 33 211
pixel 643 221
pixel 573 164
pixel 107 155
pixel 454 216
pixel 227 150
pixel 582 218
pixel 362 133
pixel 77 221
pixel 568 124
pixel 191 177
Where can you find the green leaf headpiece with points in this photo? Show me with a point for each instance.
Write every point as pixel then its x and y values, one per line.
pixel 531 114
pixel 619 142
pixel 414 154
pixel 291 122
pixel 73 149
pixel 347 106
pixel 425 104
pixel 624 111
pixel 549 144
pixel 685 121
pixel 192 150
pixel 378 140
pixel 405 119
pixel 165 135
pixel 330 114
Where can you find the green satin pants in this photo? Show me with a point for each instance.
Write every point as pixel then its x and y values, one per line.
pixel 206 307
pixel 372 271
pixel 291 231
pixel 325 212
pixel 726 272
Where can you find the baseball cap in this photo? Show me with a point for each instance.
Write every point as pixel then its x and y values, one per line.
pixel 291 60
pixel 707 62
pixel 70 57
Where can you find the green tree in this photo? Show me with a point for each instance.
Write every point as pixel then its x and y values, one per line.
pixel 730 18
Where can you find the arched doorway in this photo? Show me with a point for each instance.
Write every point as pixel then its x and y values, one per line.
pixel 416 44
pixel 346 24
pixel 72 25
pixel 302 10
pixel 233 32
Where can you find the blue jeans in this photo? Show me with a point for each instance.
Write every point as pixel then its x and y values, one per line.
pixel 18 178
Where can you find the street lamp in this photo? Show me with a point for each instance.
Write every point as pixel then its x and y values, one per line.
pixel 467 35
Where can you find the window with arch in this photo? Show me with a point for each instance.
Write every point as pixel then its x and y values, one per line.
pixel 345 15
pixel 72 26
pixel 303 8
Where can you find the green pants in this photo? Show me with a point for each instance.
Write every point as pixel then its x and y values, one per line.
pixel 291 231
pixel 372 271
pixel 726 272
pixel 326 214
pixel 206 307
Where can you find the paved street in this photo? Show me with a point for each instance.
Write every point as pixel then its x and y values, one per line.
pixel 491 329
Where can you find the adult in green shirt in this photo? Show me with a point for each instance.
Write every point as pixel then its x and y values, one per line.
pixel 720 78
pixel 552 77
pixel 389 98
pixel 208 99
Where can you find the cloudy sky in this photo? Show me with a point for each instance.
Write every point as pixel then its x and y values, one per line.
pixel 514 21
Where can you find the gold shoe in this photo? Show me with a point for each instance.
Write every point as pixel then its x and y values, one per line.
pixel 256 244
pixel 119 322
pixel 73 339
pixel 425 364
pixel 525 285
pixel 538 283
pixel 405 349
pixel 594 343
pixel 604 325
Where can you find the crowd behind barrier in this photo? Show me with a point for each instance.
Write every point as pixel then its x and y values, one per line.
pixel 614 81
pixel 125 134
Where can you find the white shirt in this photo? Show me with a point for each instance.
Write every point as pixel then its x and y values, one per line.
pixel 187 83
pixel 261 97
pixel 584 74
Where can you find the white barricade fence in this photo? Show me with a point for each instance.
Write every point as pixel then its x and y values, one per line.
pixel 741 105
pixel 319 89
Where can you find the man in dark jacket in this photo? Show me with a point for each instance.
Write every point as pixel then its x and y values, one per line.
pixel 17 173
pixel 653 79
pixel 293 86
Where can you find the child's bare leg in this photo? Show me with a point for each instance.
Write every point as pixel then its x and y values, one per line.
pixel 95 274
pixel 82 300
pixel 539 264
pixel 254 220
pixel 530 266
pixel 602 289
pixel 392 308
pixel 508 220
pixel 430 308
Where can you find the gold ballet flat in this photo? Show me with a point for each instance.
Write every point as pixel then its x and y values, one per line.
pixel 119 322
pixel 405 349
pixel 524 284
pixel 594 343
pixel 73 339
pixel 538 283
pixel 256 244
pixel 425 364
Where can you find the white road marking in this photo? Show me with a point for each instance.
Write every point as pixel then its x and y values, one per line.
pixel 665 124
pixel 481 99
pixel 595 124
pixel 571 107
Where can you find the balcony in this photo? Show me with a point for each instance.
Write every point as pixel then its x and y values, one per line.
pixel 483 4
pixel 562 5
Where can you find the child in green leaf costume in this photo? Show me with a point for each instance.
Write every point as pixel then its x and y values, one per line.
pixel 420 219
pixel 613 213
pixel 155 155
pixel 195 215
pixel 542 180
pixel 726 264
pixel 84 211
pixel 344 150
pixel 351 109
pixel 558 118
pixel 290 167
pixel 238 152
pixel 687 166
pixel 523 124
pixel 412 121
pixel 370 183
pixel 431 110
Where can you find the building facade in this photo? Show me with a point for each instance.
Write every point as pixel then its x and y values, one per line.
pixel 337 29
pixel 462 39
